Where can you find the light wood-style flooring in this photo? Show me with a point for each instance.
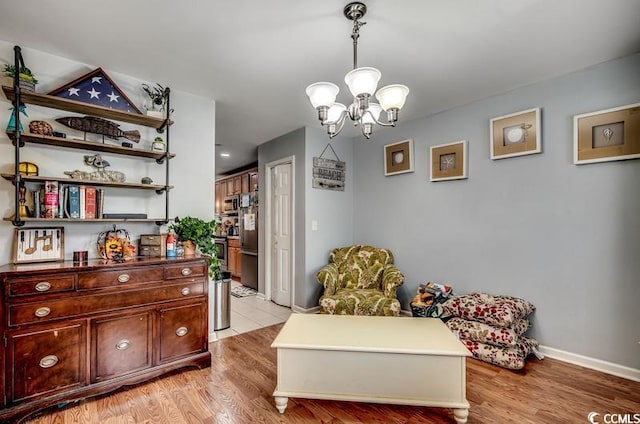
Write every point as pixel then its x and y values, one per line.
pixel 237 389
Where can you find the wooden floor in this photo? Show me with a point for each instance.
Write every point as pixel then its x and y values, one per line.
pixel 237 389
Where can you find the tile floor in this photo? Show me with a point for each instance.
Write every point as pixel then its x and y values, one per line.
pixel 250 313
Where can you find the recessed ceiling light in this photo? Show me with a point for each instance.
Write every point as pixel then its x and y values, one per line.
pixel 225 155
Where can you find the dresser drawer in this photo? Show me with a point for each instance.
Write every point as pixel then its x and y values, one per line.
pixel 93 280
pixel 120 345
pixel 45 311
pixel 153 239
pixel 46 362
pixel 182 331
pixel 154 251
pixel 185 270
pixel 40 285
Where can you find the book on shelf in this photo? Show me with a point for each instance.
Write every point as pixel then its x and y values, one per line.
pixel 50 199
pixel 83 192
pixel 73 195
pixel 125 216
pixel 90 203
pixel 36 204
pixel 60 201
pixel 99 203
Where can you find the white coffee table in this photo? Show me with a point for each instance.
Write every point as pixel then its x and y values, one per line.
pixel 398 360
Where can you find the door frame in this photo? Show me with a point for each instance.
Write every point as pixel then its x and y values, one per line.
pixel 267 225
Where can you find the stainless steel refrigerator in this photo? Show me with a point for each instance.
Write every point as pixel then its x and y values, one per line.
pixel 249 239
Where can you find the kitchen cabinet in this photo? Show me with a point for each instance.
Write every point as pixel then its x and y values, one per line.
pixel 220 193
pixel 77 331
pixel 21 140
pixel 234 264
pixel 240 183
pixel 245 183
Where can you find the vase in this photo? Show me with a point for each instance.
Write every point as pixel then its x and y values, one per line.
pixel 189 248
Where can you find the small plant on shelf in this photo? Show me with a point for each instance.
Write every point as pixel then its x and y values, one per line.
pixel 25 73
pixel 200 233
pixel 157 96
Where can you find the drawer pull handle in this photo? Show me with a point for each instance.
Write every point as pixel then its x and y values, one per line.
pixel 123 278
pixel 48 361
pixel 182 331
pixel 186 271
pixel 185 291
pixel 123 344
pixel 151 238
pixel 43 286
pixel 42 312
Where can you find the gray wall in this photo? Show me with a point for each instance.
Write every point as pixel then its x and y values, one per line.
pixel 333 210
pixel 562 236
pixel 290 144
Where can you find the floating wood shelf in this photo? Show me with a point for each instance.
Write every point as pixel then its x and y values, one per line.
pixel 33 220
pixel 31 97
pixel 72 181
pixel 71 143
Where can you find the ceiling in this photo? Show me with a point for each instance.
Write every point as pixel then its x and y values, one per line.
pixel 255 58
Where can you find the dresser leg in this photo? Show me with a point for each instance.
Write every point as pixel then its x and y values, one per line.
pixel 460 415
pixel 281 403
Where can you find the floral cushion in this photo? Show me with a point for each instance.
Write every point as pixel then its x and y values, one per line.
pixel 359 302
pixel 501 311
pixel 512 358
pixel 485 333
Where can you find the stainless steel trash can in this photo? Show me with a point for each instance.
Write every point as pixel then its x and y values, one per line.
pixel 222 302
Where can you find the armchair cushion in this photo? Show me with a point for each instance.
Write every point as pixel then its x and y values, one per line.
pixel 360 280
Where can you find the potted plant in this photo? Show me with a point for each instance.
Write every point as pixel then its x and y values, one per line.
pixel 158 100
pixel 27 80
pixel 196 232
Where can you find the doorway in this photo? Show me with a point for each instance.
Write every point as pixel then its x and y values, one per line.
pixel 280 219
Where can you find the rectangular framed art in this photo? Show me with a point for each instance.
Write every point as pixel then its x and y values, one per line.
pixel 516 134
pixel 42 244
pixel 449 161
pixel 607 135
pixel 398 158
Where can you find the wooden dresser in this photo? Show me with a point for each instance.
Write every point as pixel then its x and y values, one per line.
pixel 74 331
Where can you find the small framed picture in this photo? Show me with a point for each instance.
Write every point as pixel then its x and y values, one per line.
pixel 607 135
pixel 449 161
pixel 42 244
pixel 398 157
pixel 516 134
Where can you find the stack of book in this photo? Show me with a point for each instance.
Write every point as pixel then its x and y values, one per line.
pixel 61 201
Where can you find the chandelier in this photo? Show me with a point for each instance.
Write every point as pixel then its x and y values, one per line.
pixel 362 83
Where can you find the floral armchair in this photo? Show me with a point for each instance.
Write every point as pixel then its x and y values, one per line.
pixel 360 280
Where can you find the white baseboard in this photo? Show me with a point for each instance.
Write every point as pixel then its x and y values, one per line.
pixel 591 363
pixel 261 296
pixel 300 310
pixel 212 337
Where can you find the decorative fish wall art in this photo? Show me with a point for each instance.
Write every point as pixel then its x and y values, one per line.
pixel 101 126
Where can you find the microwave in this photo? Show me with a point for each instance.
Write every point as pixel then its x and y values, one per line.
pixel 231 204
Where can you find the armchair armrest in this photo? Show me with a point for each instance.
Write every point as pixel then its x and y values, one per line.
pixel 328 277
pixel 392 278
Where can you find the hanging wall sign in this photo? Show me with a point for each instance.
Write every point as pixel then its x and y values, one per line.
pixel 328 174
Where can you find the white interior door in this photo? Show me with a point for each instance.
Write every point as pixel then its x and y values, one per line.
pixel 281 234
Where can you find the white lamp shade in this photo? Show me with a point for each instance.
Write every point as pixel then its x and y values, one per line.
pixel 363 80
pixel 322 94
pixel 392 96
pixel 375 110
pixel 335 112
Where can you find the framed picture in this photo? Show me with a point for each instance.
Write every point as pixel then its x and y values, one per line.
pixel 516 134
pixel 607 135
pixel 398 157
pixel 449 161
pixel 40 244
